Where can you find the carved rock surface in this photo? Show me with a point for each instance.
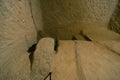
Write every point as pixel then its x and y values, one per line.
pixel 64 62
pixel 98 62
pixel 85 60
pixel 64 18
pixel 17 34
pixel 42 59
pixel 15 66
pixel 99 33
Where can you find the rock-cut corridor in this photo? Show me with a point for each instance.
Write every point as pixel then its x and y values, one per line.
pixel 59 40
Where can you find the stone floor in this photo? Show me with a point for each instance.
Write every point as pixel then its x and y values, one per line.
pixel 71 60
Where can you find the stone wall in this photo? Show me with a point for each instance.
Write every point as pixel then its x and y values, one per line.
pixel 114 23
pixel 18 32
pixel 64 18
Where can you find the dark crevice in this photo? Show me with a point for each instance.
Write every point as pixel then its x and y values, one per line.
pixel 31 51
pixel 32 48
pixel 81 34
pixel 48 76
pixel 85 36
pixel 74 38
pixel 56 44
pixel 31 57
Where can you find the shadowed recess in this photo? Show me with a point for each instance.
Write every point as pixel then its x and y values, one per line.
pixel 31 51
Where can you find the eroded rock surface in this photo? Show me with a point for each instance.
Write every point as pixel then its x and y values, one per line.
pixel 17 33
pixel 64 62
pixel 64 18
pixel 98 62
pixel 42 59
pixel 15 66
pixel 85 60
pixel 99 33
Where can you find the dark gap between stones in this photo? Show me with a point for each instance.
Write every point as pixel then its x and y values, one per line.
pixel 74 38
pixel 85 36
pixel 50 74
pixel 31 51
pixel 56 44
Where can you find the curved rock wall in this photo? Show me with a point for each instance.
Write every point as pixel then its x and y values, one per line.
pixel 18 32
pixel 114 23
pixel 64 18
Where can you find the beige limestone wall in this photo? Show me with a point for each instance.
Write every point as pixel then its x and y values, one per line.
pixel 64 18
pixel 18 32
pixel 16 22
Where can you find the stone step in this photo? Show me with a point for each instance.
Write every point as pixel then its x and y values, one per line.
pixel 85 60
pixel 64 63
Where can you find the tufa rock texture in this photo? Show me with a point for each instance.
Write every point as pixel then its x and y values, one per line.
pixel 65 18
pixel 85 60
pixel 42 59
pixel 17 33
pixel 114 23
